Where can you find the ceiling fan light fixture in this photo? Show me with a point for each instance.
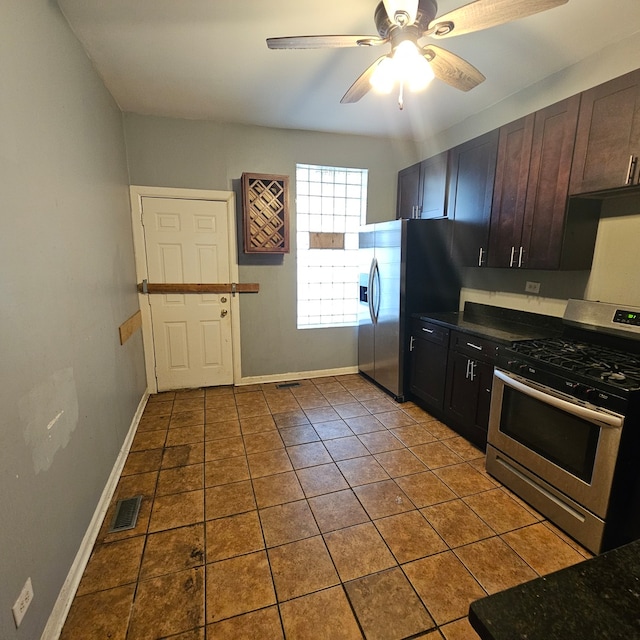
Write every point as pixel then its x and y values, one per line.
pixel 411 66
pixel 384 76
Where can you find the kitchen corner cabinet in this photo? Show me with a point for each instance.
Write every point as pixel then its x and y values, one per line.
pixel 468 385
pixel 530 222
pixel 422 189
pixel 472 167
pixel 428 345
pixel 608 136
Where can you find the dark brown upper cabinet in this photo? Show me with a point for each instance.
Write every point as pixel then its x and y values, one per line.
pixel 422 189
pixel 608 136
pixel 530 222
pixel 472 167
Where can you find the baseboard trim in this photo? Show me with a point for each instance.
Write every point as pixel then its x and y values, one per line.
pixel 65 597
pixel 300 375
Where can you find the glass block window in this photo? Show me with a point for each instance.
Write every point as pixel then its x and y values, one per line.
pixel 331 205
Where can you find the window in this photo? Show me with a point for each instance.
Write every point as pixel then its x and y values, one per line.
pixel 331 204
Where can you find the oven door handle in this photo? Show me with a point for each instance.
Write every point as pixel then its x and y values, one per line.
pixel 564 405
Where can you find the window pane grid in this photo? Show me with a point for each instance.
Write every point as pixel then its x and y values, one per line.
pixel 329 200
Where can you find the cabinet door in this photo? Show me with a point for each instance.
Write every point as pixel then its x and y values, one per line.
pixel 608 135
pixel 510 190
pixel 472 168
pixel 408 192
pixel 428 371
pixel 484 376
pixel 434 186
pixel 548 185
pixel 462 391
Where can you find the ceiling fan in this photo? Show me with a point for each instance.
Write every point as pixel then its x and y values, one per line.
pixel 405 24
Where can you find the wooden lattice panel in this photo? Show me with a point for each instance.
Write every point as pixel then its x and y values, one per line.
pixel 265 202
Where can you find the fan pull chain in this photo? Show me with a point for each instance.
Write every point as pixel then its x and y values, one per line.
pixel 401 96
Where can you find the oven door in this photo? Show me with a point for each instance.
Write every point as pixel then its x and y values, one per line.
pixel 571 446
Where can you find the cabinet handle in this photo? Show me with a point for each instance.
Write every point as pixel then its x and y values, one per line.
pixel 411 341
pixel 474 346
pixel 472 371
pixel 480 256
pixel 520 258
pixel 631 169
pixel 466 373
pixel 513 250
pixel 427 330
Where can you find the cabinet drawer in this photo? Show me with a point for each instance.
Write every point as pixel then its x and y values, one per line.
pixel 429 331
pixel 474 346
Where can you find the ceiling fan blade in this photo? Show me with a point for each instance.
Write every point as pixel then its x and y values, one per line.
pixel 452 69
pixel 319 42
pixel 483 14
pixel 362 85
pixel 410 7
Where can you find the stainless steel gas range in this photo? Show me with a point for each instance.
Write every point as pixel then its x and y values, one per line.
pixel 564 427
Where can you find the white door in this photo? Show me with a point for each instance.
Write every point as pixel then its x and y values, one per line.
pixel 187 241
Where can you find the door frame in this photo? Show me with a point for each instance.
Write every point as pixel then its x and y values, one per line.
pixel 136 194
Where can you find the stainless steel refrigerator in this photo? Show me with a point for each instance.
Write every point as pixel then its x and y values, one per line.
pixel 405 268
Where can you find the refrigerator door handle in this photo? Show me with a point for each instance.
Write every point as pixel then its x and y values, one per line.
pixel 376 290
pixel 370 296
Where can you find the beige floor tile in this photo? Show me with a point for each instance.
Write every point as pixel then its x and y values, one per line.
pixel 352 409
pixel 257 424
pixel 417 413
pixel 181 593
pixel 152 423
pixel 180 479
pixel 187 418
pixel 387 606
pixel 339 398
pixel 225 471
pixel 269 463
pixel 363 470
pixel 112 565
pixel 345 448
pixel 185 435
pixel 542 549
pixel 140 484
pixel 173 550
pixel 459 630
pixel 308 455
pixel 444 585
pixel 457 523
pixel 233 536
pixel 188 404
pixel 410 536
pixel 337 510
pixel 263 441
pixel 177 510
pixel 301 567
pixel 358 551
pixel 142 462
pixel 229 499
pixel 400 462
pixel 257 625
pixel 158 409
pixel 287 522
pixel 223 429
pixel 382 499
pixel 238 585
pixel 436 454
pixel 321 413
pixel 321 479
pixel 277 489
pixel 220 413
pixel 380 441
pixel 332 429
pixel 183 455
pixel 464 448
pixel 298 435
pixel 463 479
pixel 295 418
pixel 223 448
pixel 499 511
pixel 379 404
pixel 494 564
pixel 323 615
pixel 413 435
pixel 145 440
pixel 425 489
pixel 395 419
pixel 440 430
pixel 104 614
pixel 364 424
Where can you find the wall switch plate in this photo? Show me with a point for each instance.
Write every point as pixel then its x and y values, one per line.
pixel 532 287
pixel 23 602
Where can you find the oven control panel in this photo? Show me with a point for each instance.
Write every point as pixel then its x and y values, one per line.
pixel 627 317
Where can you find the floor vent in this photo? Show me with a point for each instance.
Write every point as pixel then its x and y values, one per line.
pixel 126 514
pixel 287 385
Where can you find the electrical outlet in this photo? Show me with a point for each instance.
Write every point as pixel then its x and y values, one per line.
pixel 23 602
pixel 532 287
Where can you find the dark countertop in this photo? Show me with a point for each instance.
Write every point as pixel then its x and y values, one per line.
pixel 598 599
pixel 496 323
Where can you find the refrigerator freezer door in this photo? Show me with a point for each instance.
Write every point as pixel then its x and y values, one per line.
pixel 366 362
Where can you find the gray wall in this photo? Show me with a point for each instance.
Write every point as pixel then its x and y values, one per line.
pixel 205 155
pixel 67 283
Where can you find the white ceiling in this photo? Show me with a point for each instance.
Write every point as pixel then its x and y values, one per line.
pixel 207 59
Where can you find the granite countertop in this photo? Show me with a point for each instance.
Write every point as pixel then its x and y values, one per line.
pixel 504 326
pixel 598 599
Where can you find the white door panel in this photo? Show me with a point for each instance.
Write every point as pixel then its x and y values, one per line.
pixel 187 241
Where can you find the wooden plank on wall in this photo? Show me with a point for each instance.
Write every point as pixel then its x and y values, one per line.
pixel 130 326
pixel 319 240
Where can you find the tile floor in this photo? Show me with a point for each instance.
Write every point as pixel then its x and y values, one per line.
pixel 318 511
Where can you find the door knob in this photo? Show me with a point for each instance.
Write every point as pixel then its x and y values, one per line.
pixel 223 299
pixel 223 313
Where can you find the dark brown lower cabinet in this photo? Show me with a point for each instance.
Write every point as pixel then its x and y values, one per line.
pixel 429 351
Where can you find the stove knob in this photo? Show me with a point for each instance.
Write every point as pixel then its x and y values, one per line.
pixel 590 393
